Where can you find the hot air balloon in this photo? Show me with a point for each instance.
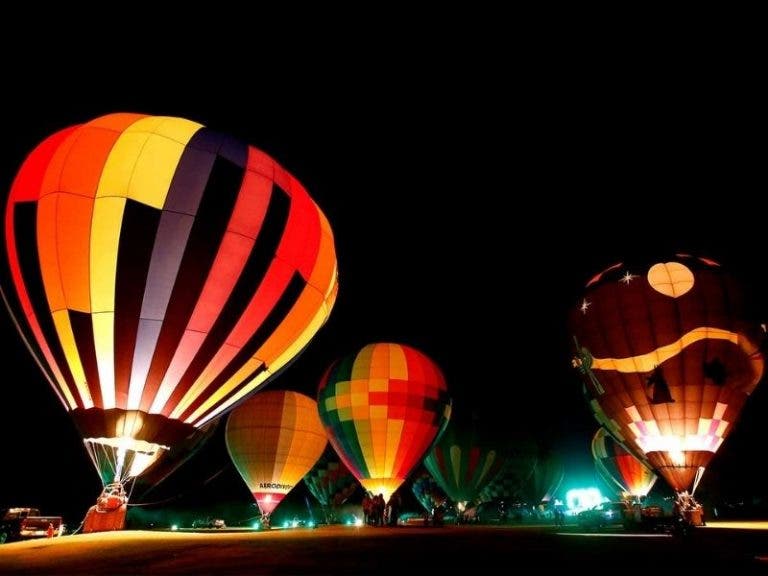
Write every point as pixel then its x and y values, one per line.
pixel 669 353
pixel 619 467
pixel 162 273
pixel 274 439
pixel 545 481
pixel 428 492
pixel 463 461
pixel 330 482
pixel 382 408
pixel 517 470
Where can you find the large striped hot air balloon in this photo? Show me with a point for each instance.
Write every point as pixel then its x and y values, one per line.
pixel 382 408
pixel 162 273
pixel 274 439
pixel 619 467
pixel 669 354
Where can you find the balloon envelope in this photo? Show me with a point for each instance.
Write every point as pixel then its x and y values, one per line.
pixel 619 467
pixel 462 461
pixel 520 463
pixel 382 408
pixel 548 474
pixel 329 481
pixel 274 439
pixel 428 492
pixel 162 273
pixel 669 353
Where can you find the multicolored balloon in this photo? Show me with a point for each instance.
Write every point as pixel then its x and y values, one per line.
pixel 619 467
pixel 329 481
pixel 274 439
pixel 162 273
pixel 517 471
pixel 382 408
pixel 428 492
pixel 669 354
pixel 462 462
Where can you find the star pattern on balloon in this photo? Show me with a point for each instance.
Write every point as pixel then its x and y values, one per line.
pixel 628 277
pixel 585 304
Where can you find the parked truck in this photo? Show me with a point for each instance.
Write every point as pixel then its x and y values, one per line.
pixel 24 523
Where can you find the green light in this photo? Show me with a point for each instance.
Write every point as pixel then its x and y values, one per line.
pixel 175 527
pixel 580 499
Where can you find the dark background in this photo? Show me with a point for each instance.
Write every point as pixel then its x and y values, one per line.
pixel 471 195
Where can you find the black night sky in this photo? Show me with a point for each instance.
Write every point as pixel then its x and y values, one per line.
pixel 469 205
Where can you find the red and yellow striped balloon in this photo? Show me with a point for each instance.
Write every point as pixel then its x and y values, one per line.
pixel 163 272
pixel 382 409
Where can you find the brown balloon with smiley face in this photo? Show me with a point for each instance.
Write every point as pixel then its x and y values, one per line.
pixel 669 353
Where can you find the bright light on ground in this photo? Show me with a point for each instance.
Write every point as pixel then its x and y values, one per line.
pixel 745 525
pixel 579 499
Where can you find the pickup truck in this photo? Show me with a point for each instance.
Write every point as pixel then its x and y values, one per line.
pixel 24 523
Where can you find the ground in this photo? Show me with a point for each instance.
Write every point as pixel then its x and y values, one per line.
pixel 349 550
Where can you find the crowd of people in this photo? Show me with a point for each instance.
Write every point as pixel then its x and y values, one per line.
pixel 378 513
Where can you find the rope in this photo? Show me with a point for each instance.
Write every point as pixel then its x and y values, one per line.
pixel 182 494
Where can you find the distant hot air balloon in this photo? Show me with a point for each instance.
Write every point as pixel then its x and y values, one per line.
pixel 546 479
pixel 619 467
pixel 428 492
pixel 382 408
pixel 463 462
pixel 274 439
pixel 162 273
pixel 669 353
pixel 519 465
pixel 330 482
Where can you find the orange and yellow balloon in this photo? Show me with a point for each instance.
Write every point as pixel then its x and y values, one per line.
pixel 162 273
pixel 274 439
pixel 383 408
